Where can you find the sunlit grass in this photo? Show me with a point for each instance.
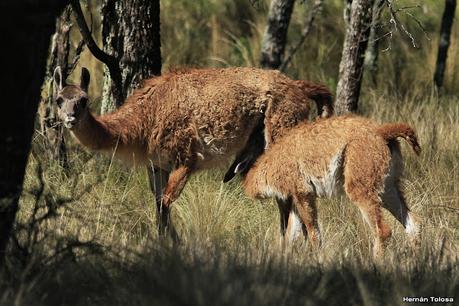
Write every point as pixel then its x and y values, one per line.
pixel 230 245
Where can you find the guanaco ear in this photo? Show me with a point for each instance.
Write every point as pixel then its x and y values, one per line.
pixel 57 76
pixel 84 80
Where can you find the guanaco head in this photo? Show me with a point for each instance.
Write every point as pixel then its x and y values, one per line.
pixel 71 99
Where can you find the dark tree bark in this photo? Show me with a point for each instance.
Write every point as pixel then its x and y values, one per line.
pixel 59 55
pixel 371 57
pixel 353 55
pixel 445 34
pixel 275 37
pixel 131 32
pixel 26 27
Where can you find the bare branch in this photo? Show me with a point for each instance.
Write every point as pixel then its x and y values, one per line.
pixel 396 24
pixel 419 23
pixel 76 58
pixel 317 7
pixel 109 60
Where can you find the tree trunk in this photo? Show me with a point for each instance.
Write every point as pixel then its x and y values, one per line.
pixel 275 37
pixel 131 32
pixel 353 55
pixel 347 12
pixel 371 57
pixel 445 34
pixel 26 26
pixel 59 55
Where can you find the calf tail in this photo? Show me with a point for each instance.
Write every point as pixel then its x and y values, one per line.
pixel 392 131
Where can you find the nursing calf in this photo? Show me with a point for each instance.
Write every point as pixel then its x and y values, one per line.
pixel 319 158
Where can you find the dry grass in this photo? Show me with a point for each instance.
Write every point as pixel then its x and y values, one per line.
pixel 229 252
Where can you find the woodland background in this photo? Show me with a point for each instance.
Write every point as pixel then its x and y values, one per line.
pixel 84 230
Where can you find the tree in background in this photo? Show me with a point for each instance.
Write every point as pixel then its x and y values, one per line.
pixel 131 33
pixel 372 54
pixel 445 34
pixel 275 37
pixel 26 26
pixel 315 9
pixel 353 55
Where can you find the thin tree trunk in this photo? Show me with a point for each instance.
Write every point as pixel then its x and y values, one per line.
pixel 316 8
pixel 275 37
pixel 445 34
pixel 371 57
pixel 353 55
pixel 59 55
pixel 130 31
pixel 26 26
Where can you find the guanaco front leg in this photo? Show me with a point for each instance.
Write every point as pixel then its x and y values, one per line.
pixel 175 184
pixel 168 193
pixel 158 180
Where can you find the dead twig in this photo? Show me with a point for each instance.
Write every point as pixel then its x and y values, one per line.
pixel 397 26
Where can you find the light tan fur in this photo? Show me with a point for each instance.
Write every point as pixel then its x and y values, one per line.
pixel 320 158
pixel 189 120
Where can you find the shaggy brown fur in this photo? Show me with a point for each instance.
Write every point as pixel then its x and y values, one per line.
pixel 185 121
pixel 316 159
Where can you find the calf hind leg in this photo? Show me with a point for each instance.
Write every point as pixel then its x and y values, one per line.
pixel 370 205
pixel 305 203
pixel 395 203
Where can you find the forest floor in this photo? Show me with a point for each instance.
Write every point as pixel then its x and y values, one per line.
pixel 97 243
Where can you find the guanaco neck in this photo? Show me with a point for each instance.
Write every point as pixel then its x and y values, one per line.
pixel 94 134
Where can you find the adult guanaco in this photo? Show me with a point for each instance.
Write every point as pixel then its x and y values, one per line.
pixel 185 121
